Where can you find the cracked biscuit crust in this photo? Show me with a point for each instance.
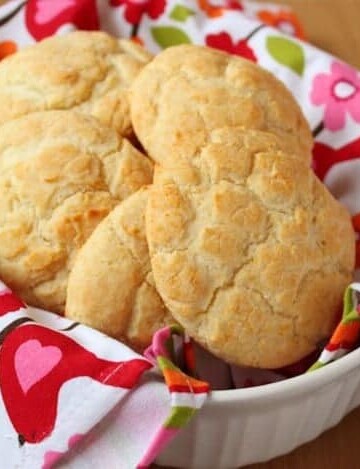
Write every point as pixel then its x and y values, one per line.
pixel 254 270
pixel 110 286
pixel 89 71
pixel 249 251
pixel 188 92
pixel 61 173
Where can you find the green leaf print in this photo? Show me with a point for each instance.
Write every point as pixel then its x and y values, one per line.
pixel 181 13
pixel 286 52
pixel 167 36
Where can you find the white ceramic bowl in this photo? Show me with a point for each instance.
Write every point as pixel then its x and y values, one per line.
pixel 244 426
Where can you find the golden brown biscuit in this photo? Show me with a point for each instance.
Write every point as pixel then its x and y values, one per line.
pixel 89 71
pixel 254 271
pixel 188 95
pixel 111 286
pixel 61 173
pixel 249 250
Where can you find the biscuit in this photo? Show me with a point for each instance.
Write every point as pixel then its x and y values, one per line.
pixel 190 94
pixel 249 251
pixel 110 286
pixel 254 271
pixel 89 71
pixel 61 173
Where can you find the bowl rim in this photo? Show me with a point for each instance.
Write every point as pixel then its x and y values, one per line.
pixel 291 387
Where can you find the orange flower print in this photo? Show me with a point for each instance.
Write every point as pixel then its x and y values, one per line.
pixel 284 20
pixel 210 10
pixel 138 40
pixel 214 11
pixel 7 48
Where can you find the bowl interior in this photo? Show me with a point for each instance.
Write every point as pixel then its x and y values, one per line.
pixel 292 386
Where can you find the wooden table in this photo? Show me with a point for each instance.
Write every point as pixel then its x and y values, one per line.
pixel 332 25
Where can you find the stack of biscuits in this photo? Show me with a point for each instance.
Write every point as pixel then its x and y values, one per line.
pixel 139 191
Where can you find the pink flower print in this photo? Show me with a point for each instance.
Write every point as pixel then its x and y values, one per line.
pixel 339 92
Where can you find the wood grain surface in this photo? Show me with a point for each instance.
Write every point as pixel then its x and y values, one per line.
pixel 332 25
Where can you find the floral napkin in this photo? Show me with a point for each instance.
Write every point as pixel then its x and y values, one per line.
pixel 91 401
pixel 58 379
